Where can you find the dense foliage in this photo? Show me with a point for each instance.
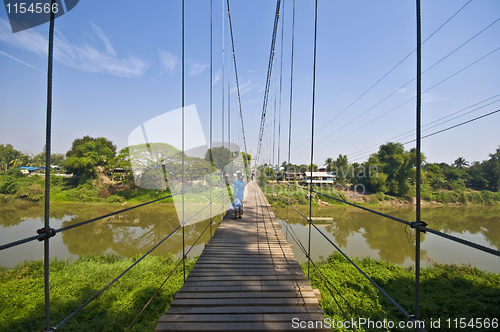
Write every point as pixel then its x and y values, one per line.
pixel 448 292
pixel 21 293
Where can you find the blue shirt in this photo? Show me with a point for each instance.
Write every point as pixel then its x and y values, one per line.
pixel 239 190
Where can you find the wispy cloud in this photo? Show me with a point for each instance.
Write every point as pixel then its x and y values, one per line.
pixel 261 89
pixel 429 98
pixel 196 69
pixel 81 57
pixel 168 61
pixel 217 77
pixel 100 34
pixel 402 90
pixel 16 59
pixel 245 87
pixel 250 70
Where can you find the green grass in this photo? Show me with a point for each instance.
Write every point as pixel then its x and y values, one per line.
pixel 447 291
pixel 73 283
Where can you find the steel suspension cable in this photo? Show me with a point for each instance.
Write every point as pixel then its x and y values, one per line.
pixel 281 83
pixel 237 82
pixel 182 97
pixel 211 115
pixel 352 263
pixel 386 74
pixel 291 100
pixel 418 162
pixel 168 277
pixel 442 118
pixel 312 130
pixel 268 79
pixel 112 282
pixel 407 101
pixel 47 229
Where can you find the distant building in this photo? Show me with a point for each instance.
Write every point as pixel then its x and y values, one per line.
pixel 318 178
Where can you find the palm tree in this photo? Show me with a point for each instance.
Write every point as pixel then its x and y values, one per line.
pixel 329 163
pixel 460 163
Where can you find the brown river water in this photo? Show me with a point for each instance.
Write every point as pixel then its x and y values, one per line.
pixel 357 233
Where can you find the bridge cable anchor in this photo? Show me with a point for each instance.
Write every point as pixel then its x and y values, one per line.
pixel 51 233
pixel 418 224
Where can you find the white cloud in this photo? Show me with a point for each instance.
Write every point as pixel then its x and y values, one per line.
pixel 196 69
pixel 261 89
pixel 85 57
pixel 402 90
pixel 16 59
pixel 217 77
pixel 98 32
pixel 250 70
pixel 244 87
pixel 168 61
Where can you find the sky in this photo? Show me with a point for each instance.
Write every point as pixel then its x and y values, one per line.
pixel 117 65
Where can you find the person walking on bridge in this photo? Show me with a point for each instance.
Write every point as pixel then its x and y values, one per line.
pixel 238 194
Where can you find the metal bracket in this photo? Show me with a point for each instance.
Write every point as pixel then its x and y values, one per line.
pixel 52 232
pixel 417 224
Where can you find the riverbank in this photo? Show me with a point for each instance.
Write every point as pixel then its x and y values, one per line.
pixel 63 190
pixel 448 291
pixel 297 196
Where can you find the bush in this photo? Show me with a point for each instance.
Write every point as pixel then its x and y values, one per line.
pixel 33 193
pixel 8 185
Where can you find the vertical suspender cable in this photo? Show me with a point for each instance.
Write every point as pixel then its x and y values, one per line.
pixel 281 82
pixel 291 99
pixel 182 97
pixel 229 92
pixel 211 152
pixel 312 134
pixel 419 161
pixel 46 253
pixel 223 16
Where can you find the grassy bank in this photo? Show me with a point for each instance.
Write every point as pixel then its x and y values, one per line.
pixel 447 291
pixel 18 187
pixel 297 196
pixel 73 283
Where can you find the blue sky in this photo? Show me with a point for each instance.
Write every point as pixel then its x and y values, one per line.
pixel 117 65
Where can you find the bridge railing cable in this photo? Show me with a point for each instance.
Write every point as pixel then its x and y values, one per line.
pixel 387 296
pixel 140 259
pixel 411 224
pixel 53 232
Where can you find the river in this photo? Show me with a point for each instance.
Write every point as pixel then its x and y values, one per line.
pixel 358 233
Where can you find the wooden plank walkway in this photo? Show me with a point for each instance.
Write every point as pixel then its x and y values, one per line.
pixel 246 279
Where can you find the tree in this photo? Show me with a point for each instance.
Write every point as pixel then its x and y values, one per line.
pixel 397 166
pixel 11 158
pixel 85 139
pixel 460 163
pixel 329 164
pixel 221 156
pixel 86 154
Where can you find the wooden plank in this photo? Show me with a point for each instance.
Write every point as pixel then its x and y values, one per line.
pixel 244 310
pixel 244 295
pixel 264 317
pixel 249 288
pixel 232 326
pixel 246 283
pixel 308 301
pixel 246 279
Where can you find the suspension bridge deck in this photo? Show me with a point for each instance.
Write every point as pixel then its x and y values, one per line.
pixel 246 279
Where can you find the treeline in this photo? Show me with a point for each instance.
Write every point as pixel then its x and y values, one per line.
pixel 392 171
pixel 101 174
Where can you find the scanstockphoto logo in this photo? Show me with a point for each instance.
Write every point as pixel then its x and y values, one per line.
pixel 26 14
pixel 160 161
